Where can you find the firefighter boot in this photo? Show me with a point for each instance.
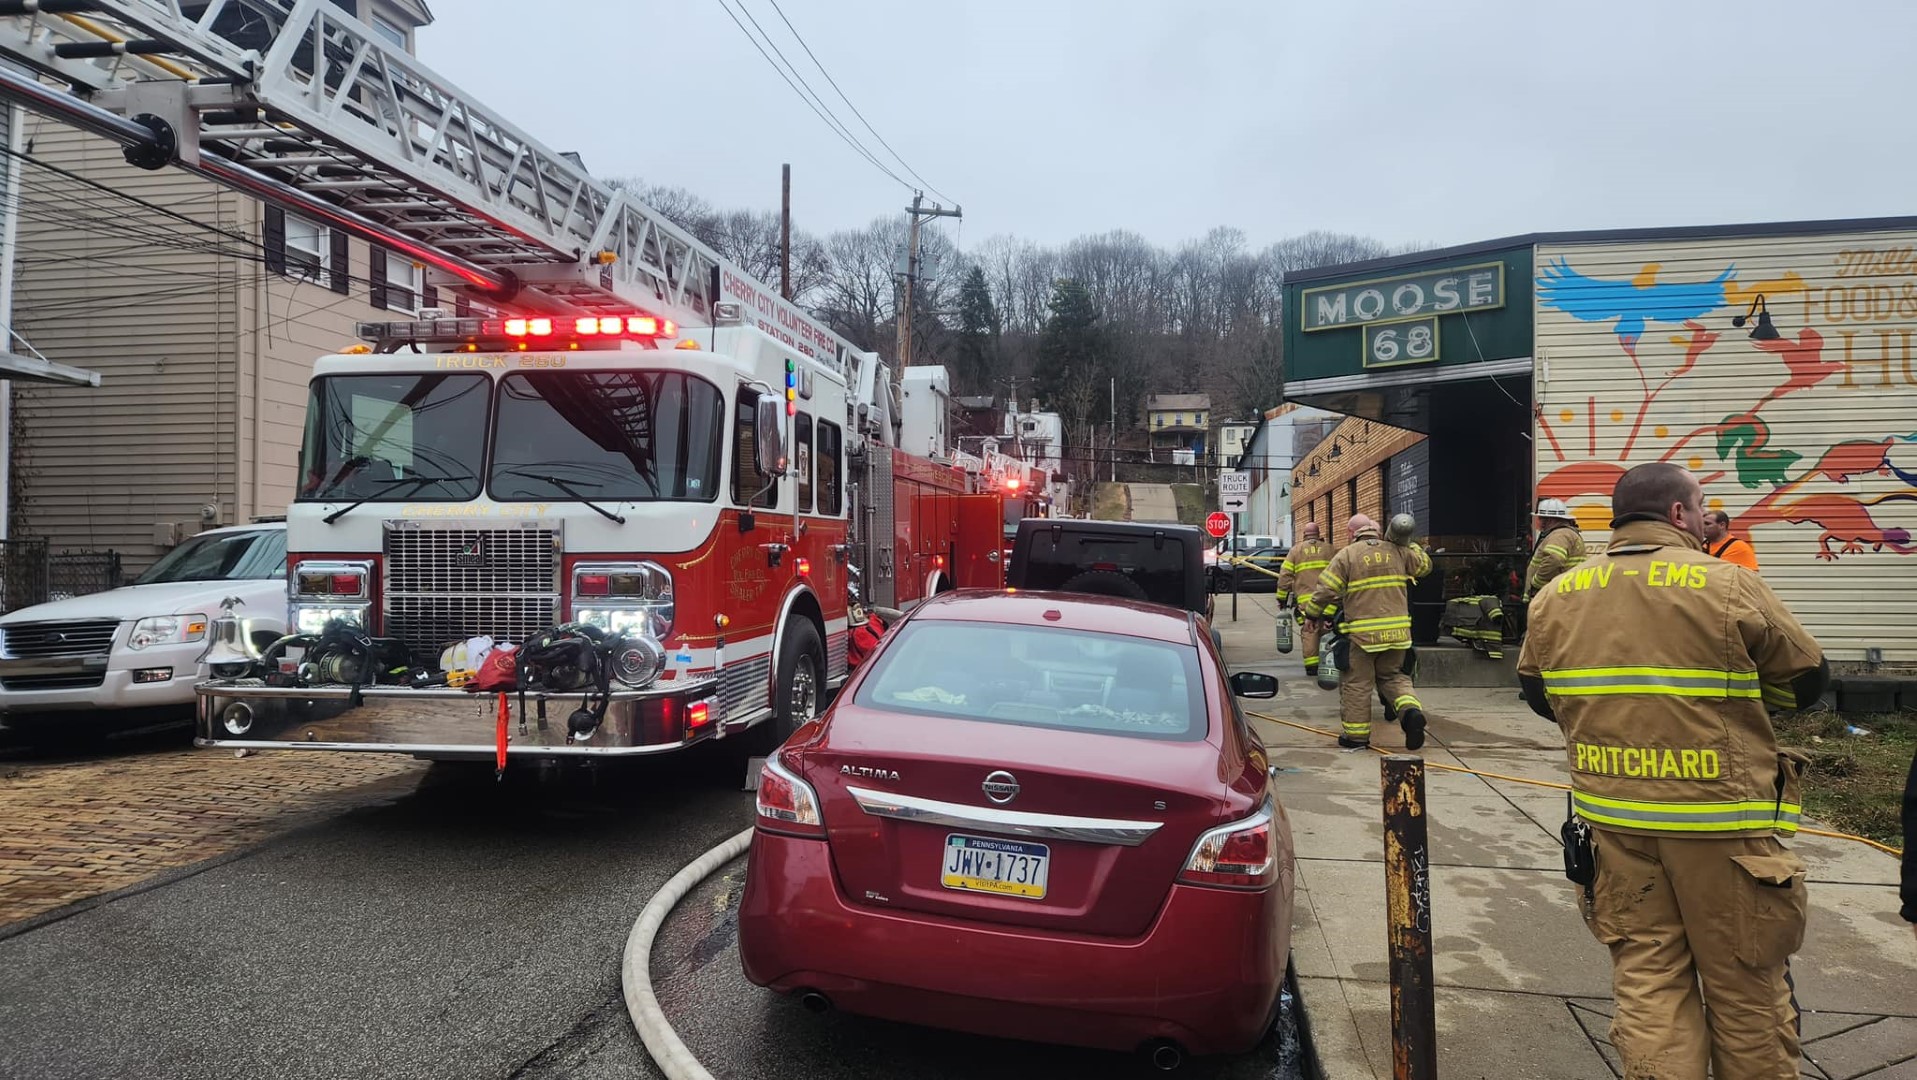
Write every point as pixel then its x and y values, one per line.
pixel 1310 632
pixel 1395 686
pixel 1354 699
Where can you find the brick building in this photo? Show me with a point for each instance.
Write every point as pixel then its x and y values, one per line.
pixel 1361 467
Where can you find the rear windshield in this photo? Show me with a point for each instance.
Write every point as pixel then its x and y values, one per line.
pixel 1086 562
pixel 1040 677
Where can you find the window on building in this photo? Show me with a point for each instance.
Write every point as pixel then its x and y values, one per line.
pixel 802 464
pixel 827 454
pixel 308 248
pixel 750 487
pixel 304 250
pixel 1351 496
pixel 392 33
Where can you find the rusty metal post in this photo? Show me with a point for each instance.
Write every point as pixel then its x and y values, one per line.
pixel 1414 1021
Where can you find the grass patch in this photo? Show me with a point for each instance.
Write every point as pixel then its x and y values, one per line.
pixel 1855 783
pixel 1109 503
pixel 1192 507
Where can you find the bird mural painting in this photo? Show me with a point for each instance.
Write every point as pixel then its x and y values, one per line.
pixel 1631 303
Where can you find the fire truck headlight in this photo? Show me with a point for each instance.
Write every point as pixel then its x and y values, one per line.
pixel 312 618
pixel 633 599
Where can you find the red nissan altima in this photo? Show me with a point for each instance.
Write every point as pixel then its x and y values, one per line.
pixel 1036 816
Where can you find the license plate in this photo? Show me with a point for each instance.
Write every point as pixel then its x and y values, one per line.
pixel 1002 867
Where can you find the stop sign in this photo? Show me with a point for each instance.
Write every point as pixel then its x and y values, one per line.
pixel 1218 524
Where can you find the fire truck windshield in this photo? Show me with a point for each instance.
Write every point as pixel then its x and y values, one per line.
pixel 395 436
pixel 608 435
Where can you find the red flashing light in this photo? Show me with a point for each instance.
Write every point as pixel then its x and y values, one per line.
pixel 938 561
pixel 346 584
pixel 698 715
pixel 1011 483
pixel 595 584
pixel 804 567
pixel 1108 567
pixel 541 327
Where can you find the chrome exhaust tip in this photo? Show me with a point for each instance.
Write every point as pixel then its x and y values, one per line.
pixel 1165 1055
pixel 814 1001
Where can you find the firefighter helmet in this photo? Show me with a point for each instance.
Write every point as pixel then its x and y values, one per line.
pixel 1554 508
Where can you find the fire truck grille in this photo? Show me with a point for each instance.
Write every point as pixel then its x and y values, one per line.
pixel 448 584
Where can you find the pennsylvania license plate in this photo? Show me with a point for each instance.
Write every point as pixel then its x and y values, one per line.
pixel 1003 867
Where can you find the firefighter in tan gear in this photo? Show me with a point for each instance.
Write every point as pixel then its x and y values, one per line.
pixel 1559 548
pixel 1298 577
pixel 1659 661
pixel 1366 590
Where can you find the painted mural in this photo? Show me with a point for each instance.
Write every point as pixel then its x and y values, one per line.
pixel 1779 371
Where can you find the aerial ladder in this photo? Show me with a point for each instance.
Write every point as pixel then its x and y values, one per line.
pixel 299 104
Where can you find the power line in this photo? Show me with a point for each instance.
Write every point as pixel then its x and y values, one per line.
pixel 823 114
pixel 855 109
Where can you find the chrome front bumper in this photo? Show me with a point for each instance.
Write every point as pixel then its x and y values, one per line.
pixel 451 723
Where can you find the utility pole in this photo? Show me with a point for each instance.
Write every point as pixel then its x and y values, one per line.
pixel 785 231
pixel 920 213
pixel 1114 431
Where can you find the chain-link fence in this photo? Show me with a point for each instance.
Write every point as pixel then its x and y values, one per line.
pixel 31 574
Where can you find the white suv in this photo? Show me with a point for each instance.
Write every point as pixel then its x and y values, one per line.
pixel 137 647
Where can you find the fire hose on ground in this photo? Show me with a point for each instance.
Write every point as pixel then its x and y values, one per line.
pixel 668 1051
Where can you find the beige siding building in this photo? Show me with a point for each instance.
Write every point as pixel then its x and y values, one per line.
pixel 203 312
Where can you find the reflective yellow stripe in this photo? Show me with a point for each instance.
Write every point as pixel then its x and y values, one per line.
pixel 1741 816
pixel 1329 578
pixel 1386 582
pixel 1664 681
pixel 1781 696
pixel 1556 550
pixel 1319 565
pixel 1408 701
pixel 1393 622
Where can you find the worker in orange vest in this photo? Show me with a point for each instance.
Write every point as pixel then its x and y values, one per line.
pixel 1719 542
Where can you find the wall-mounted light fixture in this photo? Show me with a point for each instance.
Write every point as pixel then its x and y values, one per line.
pixel 1764 331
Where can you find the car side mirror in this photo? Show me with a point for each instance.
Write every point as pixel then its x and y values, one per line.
pixel 1254 684
pixel 768 432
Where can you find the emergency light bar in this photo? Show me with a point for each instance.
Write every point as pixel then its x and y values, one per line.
pixel 541 329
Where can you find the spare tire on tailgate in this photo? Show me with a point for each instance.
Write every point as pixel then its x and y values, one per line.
pixel 1104 583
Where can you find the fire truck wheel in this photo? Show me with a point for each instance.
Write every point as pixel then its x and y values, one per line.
pixel 801 685
pixel 1104 583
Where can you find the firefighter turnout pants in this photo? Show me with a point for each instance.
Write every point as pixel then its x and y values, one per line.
pixel 1382 671
pixel 1677 912
pixel 1309 633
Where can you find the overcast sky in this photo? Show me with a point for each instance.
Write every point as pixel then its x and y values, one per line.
pixel 1434 122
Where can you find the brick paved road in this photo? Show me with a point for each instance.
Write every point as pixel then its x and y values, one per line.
pixel 74 829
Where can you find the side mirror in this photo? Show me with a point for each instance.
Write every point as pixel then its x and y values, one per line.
pixel 1254 684
pixel 769 435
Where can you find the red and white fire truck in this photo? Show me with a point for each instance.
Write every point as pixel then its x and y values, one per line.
pixel 617 452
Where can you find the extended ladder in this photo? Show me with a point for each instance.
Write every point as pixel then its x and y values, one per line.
pixel 299 103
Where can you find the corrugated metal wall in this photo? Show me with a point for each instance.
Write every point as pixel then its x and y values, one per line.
pixel 1808 440
pixel 204 352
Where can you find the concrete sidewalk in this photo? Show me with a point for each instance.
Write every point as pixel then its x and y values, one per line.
pixel 1523 988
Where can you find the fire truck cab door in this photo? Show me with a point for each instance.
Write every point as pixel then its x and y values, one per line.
pixel 981 536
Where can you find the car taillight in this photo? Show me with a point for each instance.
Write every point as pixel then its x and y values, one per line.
pixel 1241 855
pixel 787 804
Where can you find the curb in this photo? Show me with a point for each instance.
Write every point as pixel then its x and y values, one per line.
pixel 667 1051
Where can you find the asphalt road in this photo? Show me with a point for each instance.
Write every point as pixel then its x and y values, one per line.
pixel 465 929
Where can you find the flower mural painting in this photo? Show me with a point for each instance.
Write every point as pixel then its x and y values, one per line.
pixel 1807 435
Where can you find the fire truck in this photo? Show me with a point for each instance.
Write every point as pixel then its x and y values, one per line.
pixel 618 499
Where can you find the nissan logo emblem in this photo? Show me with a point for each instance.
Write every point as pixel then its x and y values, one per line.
pixel 1000 787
